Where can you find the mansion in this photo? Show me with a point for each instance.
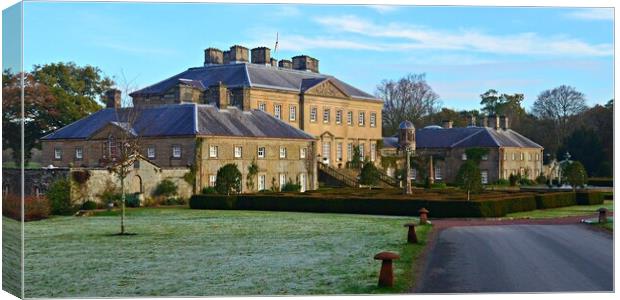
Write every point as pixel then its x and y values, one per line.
pixel 243 106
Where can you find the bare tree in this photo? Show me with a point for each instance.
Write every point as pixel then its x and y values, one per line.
pixel 409 98
pixel 559 104
pixel 126 143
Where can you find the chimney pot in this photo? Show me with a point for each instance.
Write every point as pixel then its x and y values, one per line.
pixel 285 64
pixel 238 54
pixel 447 124
pixel 471 120
pixel 113 98
pixel 261 56
pixel 306 63
pixel 503 122
pixel 213 56
pixel 494 122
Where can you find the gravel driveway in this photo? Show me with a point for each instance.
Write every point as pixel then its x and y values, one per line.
pixel 518 258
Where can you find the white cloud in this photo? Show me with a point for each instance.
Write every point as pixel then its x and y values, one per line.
pixel 383 9
pixel 598 14
pixel 412 37
pixel 301 43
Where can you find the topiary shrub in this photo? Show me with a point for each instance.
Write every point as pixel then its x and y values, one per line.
pixel 589 198
pixel 576 174
pixel 291 187
pixel 369 175
pixel 502 182
pixel 468 178
pixel 59 198
pixel 208 190
pixel 89 205
pixel 513 179
pixel 552 200
pixel 166 188
pixel 228 180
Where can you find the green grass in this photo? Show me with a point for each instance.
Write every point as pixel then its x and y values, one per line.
pixel 577 210
pixel 183 252
pixel 11 256
pixel 609 226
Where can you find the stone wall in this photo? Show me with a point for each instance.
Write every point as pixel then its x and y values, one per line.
pixel 36 181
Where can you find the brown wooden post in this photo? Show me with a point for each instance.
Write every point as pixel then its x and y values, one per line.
pixel 386 275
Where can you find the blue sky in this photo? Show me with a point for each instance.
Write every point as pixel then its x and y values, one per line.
pixel 464 51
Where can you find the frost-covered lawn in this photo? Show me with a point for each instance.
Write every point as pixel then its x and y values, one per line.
pixel 178 251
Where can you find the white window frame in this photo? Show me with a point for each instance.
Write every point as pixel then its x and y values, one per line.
pixel 281 180
pixel 238 151
pixel 150 151
pixel 302 182
pixel 326 115
pixel 292 112
pixel 262 106
pixel 338 151
pixel 485 157
pixel 176 151
pixel 339 117
pixel 349 151
pixel 373 119
pixel 57 153
pixel 514 156
pixel 484 176
pixel 350 118
pixel 438 174
pixel 261 152
pixel 326 145
pixel 464 156
pixel 79 153
pixel 262 182
pixel 277 111
pixel 373 148
pixel 313 113
pixel 212 180
pixel 282 152
pixel 213 151
pixel 302 152
pixel 361 118
pixel 361 148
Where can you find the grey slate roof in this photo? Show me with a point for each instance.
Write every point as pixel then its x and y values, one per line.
pixel 186 119
pixel 252 75
pixel 465 138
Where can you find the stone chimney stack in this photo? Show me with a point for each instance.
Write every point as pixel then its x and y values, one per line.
pixel 238 54
pixel 274 62
pixel 494 122
pixel 285 64
pixel 113 98
pixel 226 57
pixel 484 122
pixel 261 56
pixel 447 124
pixel 471 120
pixel 218 94
pixel 306 63
pixel 503 122
pixel 213 56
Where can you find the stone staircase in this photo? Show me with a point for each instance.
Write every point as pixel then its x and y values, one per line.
pixel 349 177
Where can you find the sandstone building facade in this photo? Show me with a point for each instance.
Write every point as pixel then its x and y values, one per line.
pixel 190 135
pixel 337 114
pixel 508 152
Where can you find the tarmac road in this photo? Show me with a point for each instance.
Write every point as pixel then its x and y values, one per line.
pixel 519 258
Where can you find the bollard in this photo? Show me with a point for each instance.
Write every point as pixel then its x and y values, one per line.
pixel 412 238
pixel 386 275
pixel 602 215
pixel 423 215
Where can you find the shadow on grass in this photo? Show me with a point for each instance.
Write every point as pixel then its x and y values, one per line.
pixel 121 234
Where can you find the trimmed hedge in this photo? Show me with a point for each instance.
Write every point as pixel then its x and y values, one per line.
pixel 599 181
pixel 375 206
pixel 552 200
pixel 589 198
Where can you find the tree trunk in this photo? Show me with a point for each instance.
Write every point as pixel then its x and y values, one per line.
pixel 467 195
pixel 123 205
